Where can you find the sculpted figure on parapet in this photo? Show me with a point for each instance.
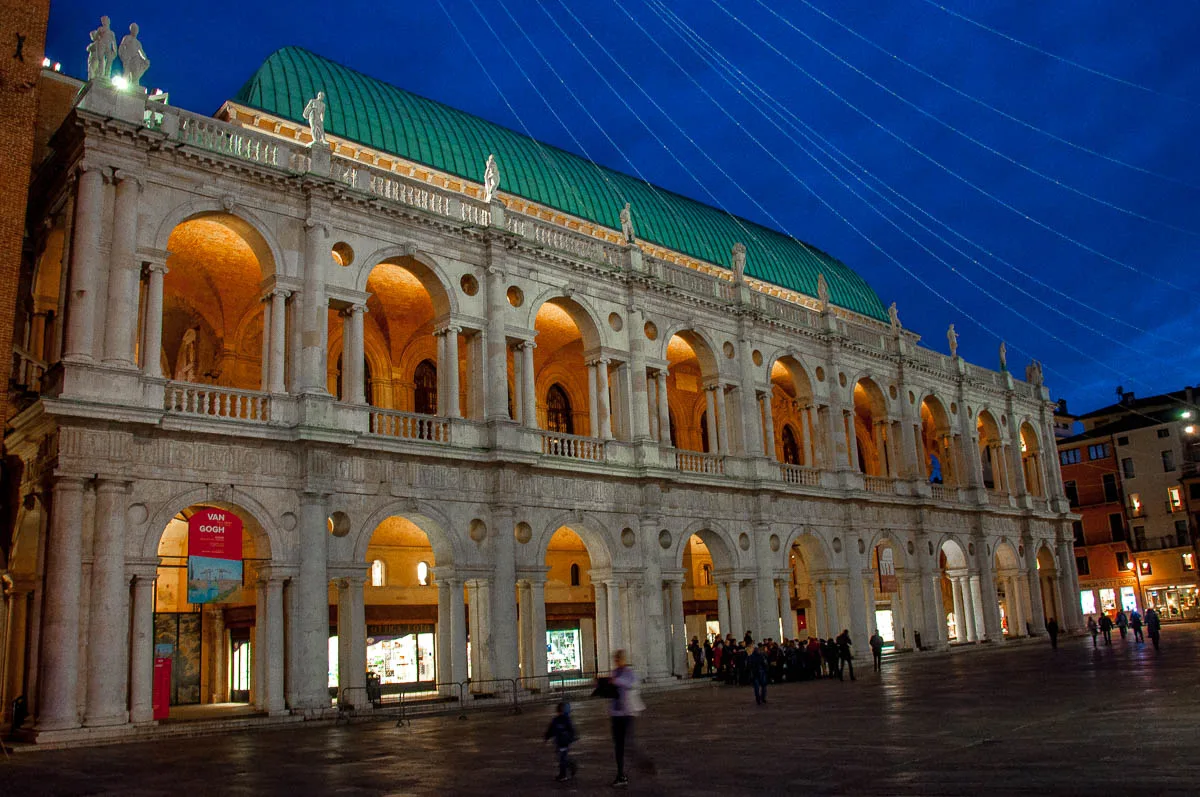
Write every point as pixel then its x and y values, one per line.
pixel 314 112
pixel 102 51
pixel 133 57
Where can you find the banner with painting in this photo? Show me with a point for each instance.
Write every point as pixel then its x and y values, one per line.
pixel 214 555
pixel 887 568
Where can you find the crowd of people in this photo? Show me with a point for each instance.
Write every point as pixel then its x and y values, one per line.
pixel 747 662
pixel 1124 624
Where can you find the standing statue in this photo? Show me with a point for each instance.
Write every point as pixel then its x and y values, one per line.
pixel 894 318
pixel 102 51
pixel 627 224
pixel 1003 356
pixel 133 57
pixel 822 292
pixel 491 179
pixel 314 112
pixel 1033 373
pixel 952 336
pixel 739 260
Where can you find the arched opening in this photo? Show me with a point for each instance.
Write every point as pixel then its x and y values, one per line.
pixel 789 414
pixel 400 601
pixel 806 598
pixel 893 601
pixel 570 606
pixel 1047 570
pixel 1014 612
pixel 41 336
pixel 212 325
pixel 565 332
pixel 1031 461
pixel 711 599
pixel 873 447
pixel 403 368
pixel 937 441
pixel 206 616
pixel 558 411
pixel 963 618
pixel 697 404
pixel 991 452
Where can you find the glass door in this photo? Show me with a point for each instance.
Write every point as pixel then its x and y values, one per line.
pixel 239 670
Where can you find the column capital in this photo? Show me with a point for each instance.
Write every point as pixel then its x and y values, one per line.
pixel 271 293
pixel 112 484
pixel 124 176
pixel 92 165
pixel 351 582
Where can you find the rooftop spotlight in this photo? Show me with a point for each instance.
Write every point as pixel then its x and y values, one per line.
pixel 120 82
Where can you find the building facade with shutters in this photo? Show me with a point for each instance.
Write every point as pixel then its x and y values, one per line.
pixel 472 434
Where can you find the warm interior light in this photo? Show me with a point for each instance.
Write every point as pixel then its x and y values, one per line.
pixel 1129 565
pixel 1189 429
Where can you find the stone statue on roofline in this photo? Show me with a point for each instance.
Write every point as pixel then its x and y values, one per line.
pixel 822 292
pixel 1033 373
pixel 1003 356
pixel 101 52
pixel 133 57
pixel 491 179
pixel 952 337
pixel 627 224
pixel 894 318
pixel 739 261
pixel 314 112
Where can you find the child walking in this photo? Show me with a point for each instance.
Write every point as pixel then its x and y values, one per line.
pixel 562 731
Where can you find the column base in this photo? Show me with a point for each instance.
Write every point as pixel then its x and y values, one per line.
pixel 120 718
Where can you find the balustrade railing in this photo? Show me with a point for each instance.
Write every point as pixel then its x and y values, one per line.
pixel 800 474
pixel 879 484
pixel 410 426
pixel 692 462
pixel 943 493
pixel 27 370
pixel 783 310
pixel 572 446
pixel 864 336
pixel 227 139
pixel 997 497
pixel 212 401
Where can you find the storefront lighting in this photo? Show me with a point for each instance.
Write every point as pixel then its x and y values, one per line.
pixel 1129 565
pixel 1189 429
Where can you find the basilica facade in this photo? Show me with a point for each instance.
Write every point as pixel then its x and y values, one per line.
pixel 479 423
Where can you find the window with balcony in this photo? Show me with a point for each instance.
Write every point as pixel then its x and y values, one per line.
pixel 1135 505
pixel 1099 451
pixel 1127 467
pixel 1081 564
pixel 1077 528
pixel 1168 461
pixel 423 573
pixel 1110 488
pixel 1175 499
pixel 791 447
pixel 574 575
pixel 1072 492
pixel 1116 527
pixel 1069 457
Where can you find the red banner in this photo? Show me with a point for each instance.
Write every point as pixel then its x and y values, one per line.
pixel 887 569
pixel 216 534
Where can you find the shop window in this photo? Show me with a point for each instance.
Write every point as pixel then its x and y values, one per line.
pixel 1164 432
pixel 1128 600
pixel 425 388
pixel 1081 565
pixel 1110 488
pixel 1100 451
pixel 378 573
pixel 1116 526
pixel 791 448
pixel 1189 561
pixel 558 411
pixel 1069 457
pixel 1123 561
pixel 1108 600
pixel 574 575
pixel 1168 461
pixel 423 573
pixel 1175 498
pixel 1087 601
pixel 1072 493
pixel 1127 467
pixel 1145 568
pixel 1077 528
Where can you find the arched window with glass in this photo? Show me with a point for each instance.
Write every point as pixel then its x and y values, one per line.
pixel 425 395
pixel 378 573
pixel 791 446
pixel 574 575
pixel 558 411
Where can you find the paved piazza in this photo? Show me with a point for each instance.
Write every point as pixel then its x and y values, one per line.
pixel 1113 721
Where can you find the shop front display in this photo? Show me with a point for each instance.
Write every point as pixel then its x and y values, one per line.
pixel 1173 603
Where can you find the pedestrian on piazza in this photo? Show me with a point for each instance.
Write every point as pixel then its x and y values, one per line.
pixel 758 673
pixel 1153 626
pixel 625 705
pixel 1052 630
pixel 845 656
pixel 708 656
pixel 1106 626
pixel 1135 622
pixel 876 643
pixel 697 656
pixel 1122 623
pixel 1094 629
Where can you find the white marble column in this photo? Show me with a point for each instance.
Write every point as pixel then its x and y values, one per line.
pixel 710 405
pixel 265 352
pixel 639 398
pixel 141 649
pixel 678 628
pixel 809 433
pixel 737 619
pixel 960 617
pixel 818 623
pixel 1037 609
pixel 58 679
pixel 312 606
pixel 457 625
pixel 851 425
pixel 85 270
pixel 497 343
pixel 316 308
pixel 502 601
pixel 603 399
pixel 479 591
pixel 528 385
pixel 652 408
pixel 453 403
pixel 526 636
pixel 723 619
pixel 108 626
pixel 722 402
pixel 984 631
pixel 121 318
pixel 152 323
pixel 277 340
pixel 768 425
pixel 603 653
pixel 664 411
pixel 348 358
pixel 617 639
pixel 269 645
pixel 352 641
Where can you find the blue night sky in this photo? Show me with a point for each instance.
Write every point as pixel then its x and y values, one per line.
pixel 1106 239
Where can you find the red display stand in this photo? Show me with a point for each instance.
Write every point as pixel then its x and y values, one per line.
pixel 162 688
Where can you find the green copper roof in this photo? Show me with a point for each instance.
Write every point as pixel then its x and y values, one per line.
pixel 387 118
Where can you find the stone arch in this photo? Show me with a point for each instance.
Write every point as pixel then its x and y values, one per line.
pixel 1006 556
pixel 585 317
pixel 237 218
pixel 816 552
pixel 436 526
pixel 1045 558
pixel 803 379
pixel 876 396
pixel 595 535
pixel 257 519
pixel 956 553
pixel 423 266
pixel 897 543
pixel 557 373
pixel 721 545
pixel 700 341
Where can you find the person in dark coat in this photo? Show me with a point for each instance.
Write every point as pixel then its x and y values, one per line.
pixel 708 656
pixel 830 654
pixel 1052 630
pixel 1106 626
pixel 1153 626
pixel 757 663
pixel 876 643
pixel 697 657
pixel 1135 622
pixel 845 657
pixel 562 731
pixel 1122 623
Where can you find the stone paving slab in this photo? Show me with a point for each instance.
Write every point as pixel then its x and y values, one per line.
pixel 1028 720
